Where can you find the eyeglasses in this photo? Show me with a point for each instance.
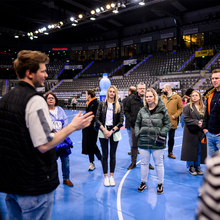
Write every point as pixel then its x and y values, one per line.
pixel 51 98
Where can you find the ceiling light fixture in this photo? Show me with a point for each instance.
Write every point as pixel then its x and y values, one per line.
pixel 112 5
pixel 115 10
pixel 108 6
pixel 92 18
pixel 72 19
pixel 80 16
pixel 93 12
pixel 97 10
pixel 142 3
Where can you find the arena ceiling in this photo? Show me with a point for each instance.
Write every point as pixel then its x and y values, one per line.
pixel 22 17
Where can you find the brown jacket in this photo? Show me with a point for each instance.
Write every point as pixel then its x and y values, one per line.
pixel 174 107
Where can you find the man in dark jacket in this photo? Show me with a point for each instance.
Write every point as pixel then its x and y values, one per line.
pixel 132 90
pixel 133 105
pixel 28 165
pixel 211 123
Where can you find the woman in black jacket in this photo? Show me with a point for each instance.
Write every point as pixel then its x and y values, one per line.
pixel 109 117
pixel 89 134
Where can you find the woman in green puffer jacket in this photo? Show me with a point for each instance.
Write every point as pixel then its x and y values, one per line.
pixel 152 120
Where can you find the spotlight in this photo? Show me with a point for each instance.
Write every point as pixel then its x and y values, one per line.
pixel 31 38
pixel 93 12
pixel 102 9
pixel 52 26
pixel 28 34
pixel 92 18
pixel 112 5
pixel 61 23
pixel 97 10
pixel 35 36
pixel 46 33
pixel 72 19
pixel 123 5
pixel 49 26
pixel 142 3
pixel 73 24
pixel 115 10
pixel 36 32
pixel 16 36
pixel 108 6
pixel 80 16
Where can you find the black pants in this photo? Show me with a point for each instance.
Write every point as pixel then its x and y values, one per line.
pixel 91 157
pixel 113 148
pixel 134 148
pixel 74 106
pixel 171 134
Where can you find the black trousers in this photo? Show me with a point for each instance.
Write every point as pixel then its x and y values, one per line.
pixel 91 157
pixel 113 148
pixel 134 148
pixel 171 134
pixel 74 106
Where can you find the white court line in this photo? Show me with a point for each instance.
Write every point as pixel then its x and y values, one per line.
pixel 120 217
pixel 174 146
pixel 178 137
pixel 119 194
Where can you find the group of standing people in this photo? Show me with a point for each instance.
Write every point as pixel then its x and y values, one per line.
pixel 34 134
pixel 148 117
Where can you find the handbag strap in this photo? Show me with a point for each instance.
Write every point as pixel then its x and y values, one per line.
pixel 153 125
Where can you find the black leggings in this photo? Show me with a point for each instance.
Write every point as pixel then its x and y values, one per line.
pixel 113 148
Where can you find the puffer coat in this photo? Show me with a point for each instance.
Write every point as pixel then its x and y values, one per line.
pixel 147 126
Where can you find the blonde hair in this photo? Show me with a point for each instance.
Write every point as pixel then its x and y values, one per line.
pixel 201 109
pixel 154 94
pixel 117 105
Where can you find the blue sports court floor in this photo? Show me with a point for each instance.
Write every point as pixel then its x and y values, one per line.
pixel 89 199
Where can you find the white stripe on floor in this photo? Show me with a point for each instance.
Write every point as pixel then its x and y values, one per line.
pixel 120 216
pixel 119 194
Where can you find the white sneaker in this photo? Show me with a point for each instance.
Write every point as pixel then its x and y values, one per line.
pixel 91 167
pixel 106 181
pixel 112 181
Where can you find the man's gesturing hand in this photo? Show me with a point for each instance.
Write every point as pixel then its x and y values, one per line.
pixel 79 122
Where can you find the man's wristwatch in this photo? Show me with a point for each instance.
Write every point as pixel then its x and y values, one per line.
pixel 113 130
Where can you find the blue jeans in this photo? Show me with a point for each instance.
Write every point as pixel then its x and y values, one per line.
pixel 129 136
pixel 158 160
pixel 182 121
pixel 65 167
pixel 196 164
pixel 24 207
pixel 213 143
